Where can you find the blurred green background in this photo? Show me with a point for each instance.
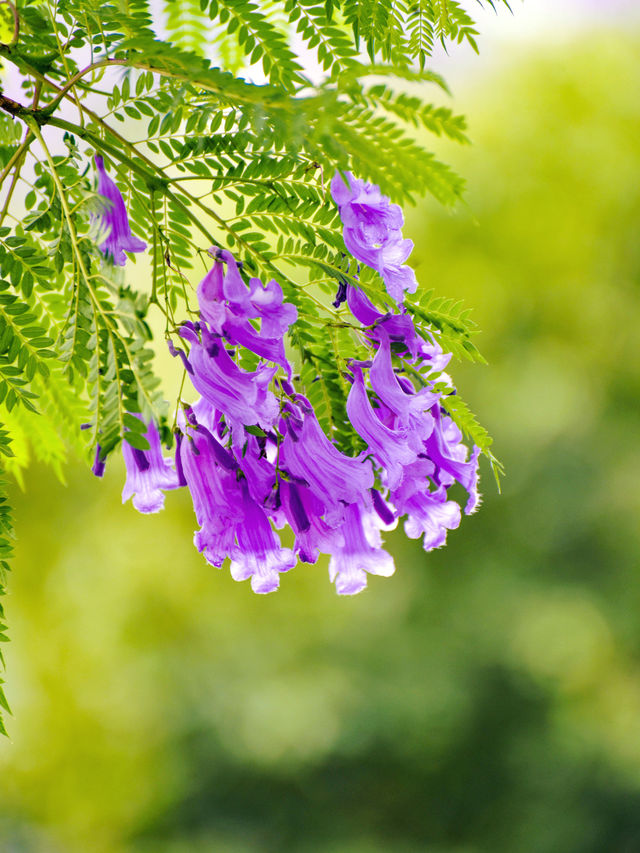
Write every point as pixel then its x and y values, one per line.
pixel 484 700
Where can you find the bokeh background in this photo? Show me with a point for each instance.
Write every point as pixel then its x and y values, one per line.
pixel 484 700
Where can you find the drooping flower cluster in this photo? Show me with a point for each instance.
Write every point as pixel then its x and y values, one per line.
pixel 254 455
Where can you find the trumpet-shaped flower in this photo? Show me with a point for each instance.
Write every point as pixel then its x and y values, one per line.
pixel 430 515
pixel 259 555
pixel 447 451
pixel 114 221
pixel 222 292
pixel 372 232
pixel 408 405
pixel 275 315
pixel 307 454
pixel 149 474
pixel 214 492
pixel 390 446
pixel 354 556
pixel 303 511
pixel 242 395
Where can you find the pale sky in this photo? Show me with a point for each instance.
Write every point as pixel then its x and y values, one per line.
pixel 532 21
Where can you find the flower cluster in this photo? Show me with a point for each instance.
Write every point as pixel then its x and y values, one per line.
pixel 254 455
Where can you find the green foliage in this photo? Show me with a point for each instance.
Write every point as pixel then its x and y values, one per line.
pixel 6 553
pixel 204 157
pixel 488 698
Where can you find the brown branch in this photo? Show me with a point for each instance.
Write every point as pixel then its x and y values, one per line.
pixel 103 63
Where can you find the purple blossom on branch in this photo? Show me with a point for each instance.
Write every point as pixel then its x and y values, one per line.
pixel 373 233
pixel 114 221
pixel 148 473
pixel 355 556
pixel 309 456
pixel 253 453
pixel 259 555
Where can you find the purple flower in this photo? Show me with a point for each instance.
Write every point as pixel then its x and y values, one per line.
pixel 430 515
pixel 257 468
pixel 341 295
pixel 372 233
pixel 276 315
pixel 242 333
pixel 219 286
pixel 408 405
pixel 449 454
pixel 259 554
pixel 98 464
pixel 362 307
pixel 306 453
pixel 390 447
pixel 114 220
pixel 242 395
pixel 215 494
pixel 401 330
pixel 303 510
pixel 211 298
pixel 148 473
pixel 227 305
pixel 355 556
pixel 223 292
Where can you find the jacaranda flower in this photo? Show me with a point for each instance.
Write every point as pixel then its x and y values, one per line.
pixel 372 233
pixel 303 511
pixel 449 454
pixel 114 221
pixel 98 464
pixel 223 292
pixel 390 447
pixel 255 456
pixel 243 396
pixel 354 556
pixel 259 555
pixel 148 473
pixel 307 454
pixel 409 406
pixel 275 315
pixel 215 494
pixel 430 515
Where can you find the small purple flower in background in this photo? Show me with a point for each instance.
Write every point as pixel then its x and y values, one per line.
pixel 114 221
pixel 148 474
pixel 372 233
